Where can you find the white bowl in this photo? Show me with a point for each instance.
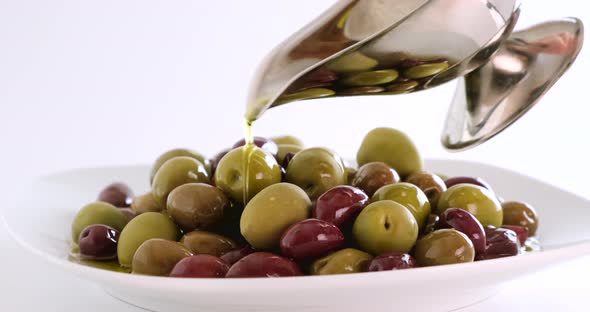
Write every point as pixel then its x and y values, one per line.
pixel 40 222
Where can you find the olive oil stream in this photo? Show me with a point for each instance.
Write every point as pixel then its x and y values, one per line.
pixel 247 153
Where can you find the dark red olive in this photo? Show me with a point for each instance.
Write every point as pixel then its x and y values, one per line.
pixel 340 205
pixel 469 180
pixel 464 222
pixel 216 159
pixel 117 194
pixel 521 231
pixel 500 243
pixel 233 256
pixel 392 261
pixel 287 159
pixel 205 266
pixel 98 242
pixel 311 239
pixel 263 143
pixel 264 264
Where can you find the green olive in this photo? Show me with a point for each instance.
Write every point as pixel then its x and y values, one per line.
pixel 352 62
pixel 196 205
pixel 158 257
pixel 342 262
pixel 425 70
pixel 176 172
pixel 385 226
pixel 392 147
pixel 410 196
pixel 175 153
pixel 479 201
pixel 145 203
pixel 402 87
pixel 363 90
pixel 98 213
pixel 201 242
pixel 521 214
pixel 261 172
pixel 432 185
pixel 285 149
pixel 316 170
pixel 143 227
pixel 306 94
pixel 371 78
pixel 288 140
pixel 271 212
pixel 447 246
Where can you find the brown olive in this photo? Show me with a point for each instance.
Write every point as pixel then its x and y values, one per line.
pixel 196 205
pixel 432 185
pixel 201 242
pixel 521 214
pixel 372 176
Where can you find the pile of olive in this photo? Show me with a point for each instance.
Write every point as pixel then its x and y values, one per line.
pixel 359 74
pixel 303 211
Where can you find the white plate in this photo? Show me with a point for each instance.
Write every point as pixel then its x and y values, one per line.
pixel 40 222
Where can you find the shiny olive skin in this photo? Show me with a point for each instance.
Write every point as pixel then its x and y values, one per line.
pixel 431 224
pixel 201 242
pixel 521 214
pixel 500 243
pixel 410 196
pixel 263 171
pixel 263 264
pixel 344 261
pixel 288 140
pixel 286 153
pixel 446 246
pixel 175 153
pixel 464 222
pixel 129 213
pixel 158 257
pixel 142 228
pixel 392 261
pixel 98 213
pixel 372 176
pixel 431 184
pixel 521 232
pixel 98 242
pixel 196 206
pixel 174 173
pixel 450 182
pixel 117 194
pixel 200 266
pixel 262 143
pixel 385 226
pixel 215 161
pixel 479 201
pixel 316 170
pixel 392 147
pixel 266 217
pixel 145 203
pixel 340 205
pixel 235 255
pixel 311 239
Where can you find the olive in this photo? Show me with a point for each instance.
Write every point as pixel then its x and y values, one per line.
pixel 340 205
pixel 143 227
pixel 350 173
pixel 129 213
pixel 344 261
pixel 158 257
pixel 262 143
pixel 286 153
pixel 426 70
pixel 521 214
pixel 371 78
pixel 311 239
pixel 261 172
pixel 392 261
pixel 500 243
pixel 316 170
pixel 201 242
pixel 117 194
pixel 233 256
pixel 263 264
pixel 363 90
pixel 203 266
pixel 408 195
pixel 174 173
pixel 175 153
pixel 479 201
pixel 392 147
pixel 446 246
pixel 215 161
pixel 431 184
pixel 196 205
pixel 271 212
pixel 288 140
pixel 464 222
pixel 98 213
pixel 450 182
pixel 98 242
pixel 431 224
pixel 372 176
pixel 521 232
pixel 385 226
pixel 145 203
pixel 352 62
pixel 313 93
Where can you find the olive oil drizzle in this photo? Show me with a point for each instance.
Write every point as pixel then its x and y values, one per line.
pixel 247 152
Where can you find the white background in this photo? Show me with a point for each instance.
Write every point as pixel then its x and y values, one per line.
pixel 86 83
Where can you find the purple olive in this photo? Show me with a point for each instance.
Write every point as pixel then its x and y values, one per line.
pixel 521 231
pixel 311 239
pixel 500 243
pixel 468 180
pixel 98 242
pixel 117 194
pixel 235 255
pixel 392 261
pixel 263 143
pixel 340 205
pixel 464 222
pixel 264 264
pixel 205 266
pixel 287 159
